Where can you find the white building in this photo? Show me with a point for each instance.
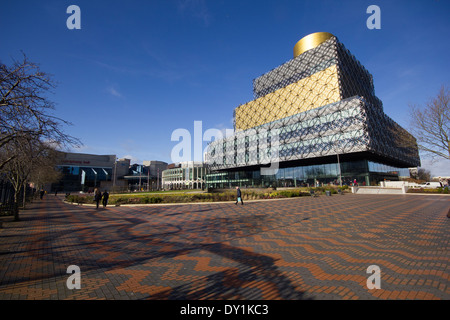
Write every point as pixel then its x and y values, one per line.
pixel 184 175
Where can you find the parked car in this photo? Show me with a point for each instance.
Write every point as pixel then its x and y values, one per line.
pixel 430 185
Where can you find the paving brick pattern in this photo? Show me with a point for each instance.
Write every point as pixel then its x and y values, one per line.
pixel 298 248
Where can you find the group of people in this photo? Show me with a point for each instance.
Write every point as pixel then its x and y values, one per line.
pixel 98 196
pixel 444 182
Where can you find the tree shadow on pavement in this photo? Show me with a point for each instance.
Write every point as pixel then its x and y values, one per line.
pixel 133 241
pixel 256 278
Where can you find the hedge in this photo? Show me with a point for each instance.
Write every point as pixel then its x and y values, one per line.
pixel 429 190
pixel 199 197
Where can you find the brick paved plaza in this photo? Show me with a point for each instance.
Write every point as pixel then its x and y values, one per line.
pixel 297 248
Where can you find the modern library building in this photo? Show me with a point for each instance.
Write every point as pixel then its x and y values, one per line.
pixel 315 119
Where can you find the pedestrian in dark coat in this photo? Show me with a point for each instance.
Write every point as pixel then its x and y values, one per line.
pixel 239 196
pixel 105 198
pixel 97 196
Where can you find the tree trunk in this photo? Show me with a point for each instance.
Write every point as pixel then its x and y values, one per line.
pixel 24 194
pixel 16 205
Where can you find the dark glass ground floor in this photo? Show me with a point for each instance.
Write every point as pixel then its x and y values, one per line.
pixel 77 178
pixel 364 172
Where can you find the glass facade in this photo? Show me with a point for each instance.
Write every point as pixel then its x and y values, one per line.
pixel 365 172
pixel 75 178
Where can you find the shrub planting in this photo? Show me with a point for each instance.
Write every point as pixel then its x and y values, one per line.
pixel 247 194
pixel 429 190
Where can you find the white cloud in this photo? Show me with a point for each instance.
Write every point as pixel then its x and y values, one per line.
pixel 114 92
pixel 132 158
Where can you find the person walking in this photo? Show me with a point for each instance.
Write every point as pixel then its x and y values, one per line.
pixel 105 198
pixel 97 196
pixel 41 193
pixel 239 196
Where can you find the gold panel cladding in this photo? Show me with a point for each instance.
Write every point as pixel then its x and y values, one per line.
pixel 308 93
pixel 310 41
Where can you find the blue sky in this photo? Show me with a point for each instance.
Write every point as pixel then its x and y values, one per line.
pixel 138 70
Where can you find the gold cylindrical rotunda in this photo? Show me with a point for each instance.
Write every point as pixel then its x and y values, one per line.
pixel 310 41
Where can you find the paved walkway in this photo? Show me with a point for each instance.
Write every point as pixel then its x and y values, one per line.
pixel 298 248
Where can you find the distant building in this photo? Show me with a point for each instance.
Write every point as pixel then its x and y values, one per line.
pixel 184 175
pixel 155 167
pixel 145 176
pixel 414 172
pixel 121 169
pixel 84 172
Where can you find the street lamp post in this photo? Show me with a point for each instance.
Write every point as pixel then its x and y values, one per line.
pixel 148 179
pixel 115 173
pixel 140 174
pixel 157 179
pixel 339 165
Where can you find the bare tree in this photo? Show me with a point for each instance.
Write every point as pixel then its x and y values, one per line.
pixel 25 111
pixel 21 153
pixel 33 161
pixel 29 133
pixel 45 172
pixel 431 125
pixel 424 174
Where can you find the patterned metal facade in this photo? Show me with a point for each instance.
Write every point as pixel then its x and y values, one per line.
pixel 321 103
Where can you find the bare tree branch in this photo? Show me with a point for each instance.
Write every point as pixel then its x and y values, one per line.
pixel 28 130
pixel 431 125
pixel 25 111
